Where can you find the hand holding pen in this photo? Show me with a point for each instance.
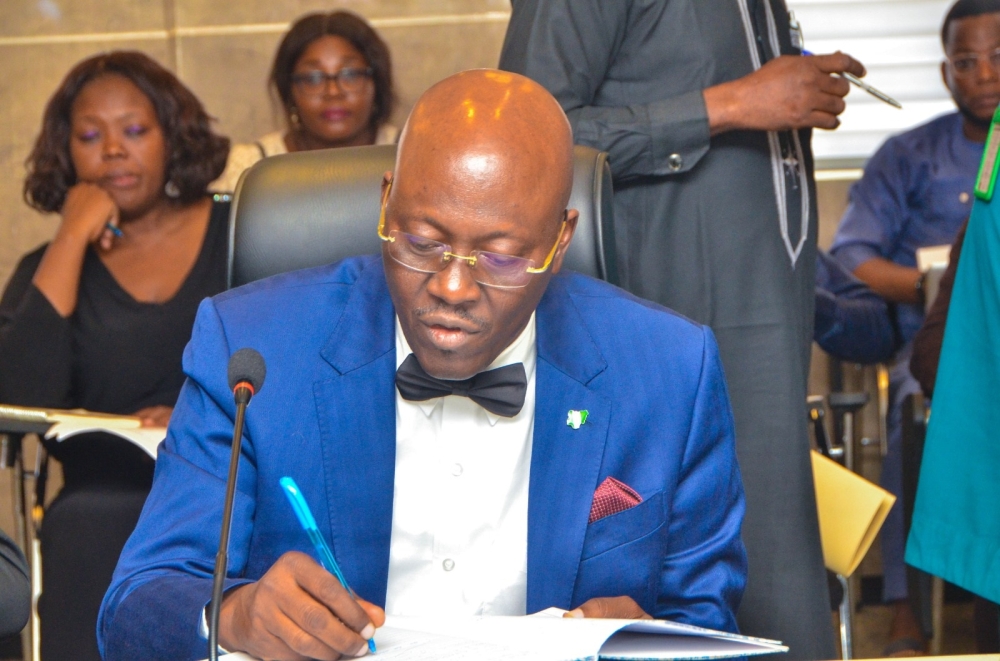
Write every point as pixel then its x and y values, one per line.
pixel 788 92
pixel 877 93
pixel 308 523
pixel 299 609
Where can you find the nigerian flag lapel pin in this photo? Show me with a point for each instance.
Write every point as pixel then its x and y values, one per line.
pixel 576 418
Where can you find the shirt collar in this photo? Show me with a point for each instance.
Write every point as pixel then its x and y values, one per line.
pixel 522 350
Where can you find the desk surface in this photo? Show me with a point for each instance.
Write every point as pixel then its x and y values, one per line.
pixel 8 426
pixel 951 657
pixel 776 657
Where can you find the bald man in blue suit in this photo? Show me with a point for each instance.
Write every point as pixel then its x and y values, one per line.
pixel 633 510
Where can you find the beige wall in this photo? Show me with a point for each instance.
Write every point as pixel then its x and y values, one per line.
pixel 222 50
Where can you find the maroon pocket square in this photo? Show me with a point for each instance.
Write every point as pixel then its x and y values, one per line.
pixel 612 497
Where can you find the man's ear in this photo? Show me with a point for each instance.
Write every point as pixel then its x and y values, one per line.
pixel 572 218
pixel 944 78
pixel 386 180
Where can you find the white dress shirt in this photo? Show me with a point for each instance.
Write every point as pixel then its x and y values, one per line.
pixel 460 505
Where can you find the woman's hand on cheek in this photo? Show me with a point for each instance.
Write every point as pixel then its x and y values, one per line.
pixel 87 213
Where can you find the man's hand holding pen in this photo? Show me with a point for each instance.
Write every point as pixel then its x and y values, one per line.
pixel 788 92
pixel 297 611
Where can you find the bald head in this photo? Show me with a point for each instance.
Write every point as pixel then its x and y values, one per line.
pixel 491 128
pixel 475 217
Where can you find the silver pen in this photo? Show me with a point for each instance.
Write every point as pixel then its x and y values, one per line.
pixel 877 93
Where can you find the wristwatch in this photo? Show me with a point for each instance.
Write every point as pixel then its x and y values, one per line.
pixel 919 287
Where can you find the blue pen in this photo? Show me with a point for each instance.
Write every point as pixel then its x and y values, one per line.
pixel 114 230
pixel 326 558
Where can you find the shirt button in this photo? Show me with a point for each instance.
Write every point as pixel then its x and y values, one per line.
pixel 675 162
pixel 456 470
pixel 448 564
pixel 963 197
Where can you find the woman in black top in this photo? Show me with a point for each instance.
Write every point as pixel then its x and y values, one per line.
pixel 98 318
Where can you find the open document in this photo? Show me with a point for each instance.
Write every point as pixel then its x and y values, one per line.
pixel 547 636
pixel 66 423
pixel 145 438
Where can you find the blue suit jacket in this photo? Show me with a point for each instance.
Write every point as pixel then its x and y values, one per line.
pixel 659 421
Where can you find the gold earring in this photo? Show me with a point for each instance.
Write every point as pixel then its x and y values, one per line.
pixel 293 117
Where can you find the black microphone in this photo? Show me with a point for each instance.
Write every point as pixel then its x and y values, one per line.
pixel 246 376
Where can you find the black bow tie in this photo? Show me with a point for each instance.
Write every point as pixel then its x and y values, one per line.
pixel 500 391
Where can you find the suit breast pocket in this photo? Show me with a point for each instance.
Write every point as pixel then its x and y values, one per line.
pixel 624 527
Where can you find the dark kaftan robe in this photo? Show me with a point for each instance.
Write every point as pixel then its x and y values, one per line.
pixel 721 229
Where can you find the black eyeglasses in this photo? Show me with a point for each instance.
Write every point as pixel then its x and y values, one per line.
pixel 348 80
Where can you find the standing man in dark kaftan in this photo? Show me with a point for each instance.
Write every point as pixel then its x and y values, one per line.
pixel 705 107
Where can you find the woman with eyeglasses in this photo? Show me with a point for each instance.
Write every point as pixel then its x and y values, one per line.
pixel 333 76
pixel 98 317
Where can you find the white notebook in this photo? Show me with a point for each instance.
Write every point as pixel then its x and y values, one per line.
pixel 145 438
pixel 547 636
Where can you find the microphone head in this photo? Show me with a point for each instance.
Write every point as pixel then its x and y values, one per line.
pixel 247 365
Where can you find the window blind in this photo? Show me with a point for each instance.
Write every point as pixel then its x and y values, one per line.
pixel 899 43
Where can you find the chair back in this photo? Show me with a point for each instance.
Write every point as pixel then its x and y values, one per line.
pixel 311 208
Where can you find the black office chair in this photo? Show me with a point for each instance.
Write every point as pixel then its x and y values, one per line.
pixel 310 208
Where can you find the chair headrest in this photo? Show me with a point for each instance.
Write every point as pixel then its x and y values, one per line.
pixel 316 207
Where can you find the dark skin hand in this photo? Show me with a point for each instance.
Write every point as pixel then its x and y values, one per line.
pixel 618 608
pixel 154 416
pixel 788 92
pixel 459 179
pixel 295 612
pixel 890 280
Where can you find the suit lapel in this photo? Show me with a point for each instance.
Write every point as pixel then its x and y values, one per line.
pixel 356 413
pixel 357 422
pixel 565 462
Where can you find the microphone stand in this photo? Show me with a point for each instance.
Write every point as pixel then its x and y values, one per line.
pixel 242 394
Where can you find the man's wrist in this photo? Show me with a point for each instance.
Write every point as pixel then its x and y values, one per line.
pixel 227 618
pixel 919 287
pixel 722 108
pixel 203 629
pixel 226 638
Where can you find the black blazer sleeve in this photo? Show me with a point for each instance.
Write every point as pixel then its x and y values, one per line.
pixel 15 588
pixel 36 348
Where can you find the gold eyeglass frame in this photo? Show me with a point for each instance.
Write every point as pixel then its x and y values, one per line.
pixel 468 259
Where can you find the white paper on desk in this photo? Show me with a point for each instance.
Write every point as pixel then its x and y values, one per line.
pixel 548 637
pixel 930 256
pixel 146 438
